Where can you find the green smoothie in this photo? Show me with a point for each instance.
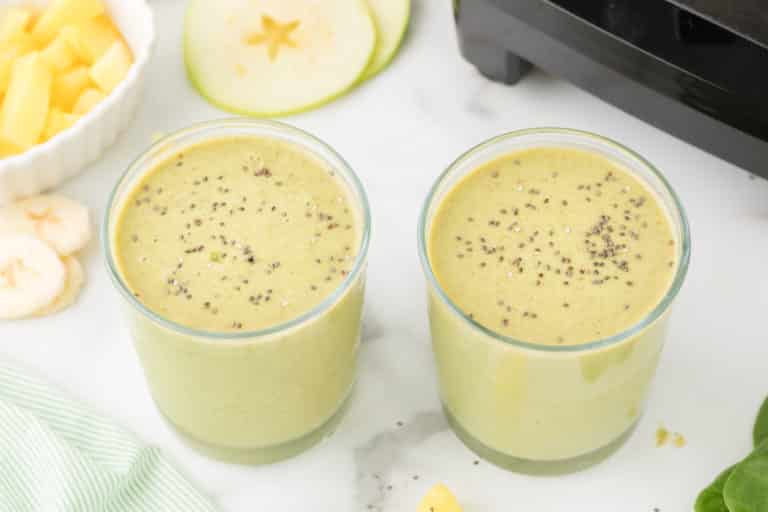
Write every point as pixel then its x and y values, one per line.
pixel 235 243
pixel 553 247
pixel 237 234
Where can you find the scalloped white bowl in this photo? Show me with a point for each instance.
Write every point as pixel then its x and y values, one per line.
pixel 47 165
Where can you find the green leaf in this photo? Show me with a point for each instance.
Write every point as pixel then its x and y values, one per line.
pixel 711 499
pixel 761 425
pixel 746 490
pixel 743 487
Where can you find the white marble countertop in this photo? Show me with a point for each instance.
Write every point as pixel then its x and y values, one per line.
pixel 399 132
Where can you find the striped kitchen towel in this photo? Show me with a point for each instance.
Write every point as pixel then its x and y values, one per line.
pixel 56 455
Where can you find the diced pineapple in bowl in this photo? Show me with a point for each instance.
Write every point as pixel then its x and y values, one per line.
pixel 71 75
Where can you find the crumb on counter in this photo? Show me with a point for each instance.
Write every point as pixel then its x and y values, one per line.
pixel 662 436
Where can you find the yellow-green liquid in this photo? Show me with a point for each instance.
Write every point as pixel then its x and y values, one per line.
pixel 229 237
pixel 237 234
pixel 555 247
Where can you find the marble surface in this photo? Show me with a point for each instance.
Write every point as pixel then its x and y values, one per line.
pixel 399 132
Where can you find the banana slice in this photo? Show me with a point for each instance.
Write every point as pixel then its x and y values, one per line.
pixel 72 286
pixel 61 222
pixel 31 275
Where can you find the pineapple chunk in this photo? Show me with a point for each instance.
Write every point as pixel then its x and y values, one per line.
pixel 25 108
pixel 25 43
pixel 439 499
pixel 15 24
pixel 91 39
pixel 112 67
pixel 7 58
pixel 87 101
pixel 8 55
pixel 8 149
pixel 68 86
pixel 59 55
pixel 58 121
pixel 65 12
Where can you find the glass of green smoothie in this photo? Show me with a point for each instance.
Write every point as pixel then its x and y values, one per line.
pixel 239 248
pixel 552 258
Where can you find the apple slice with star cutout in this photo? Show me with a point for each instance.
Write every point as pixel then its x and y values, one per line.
pixel 391 17
pixel 276 57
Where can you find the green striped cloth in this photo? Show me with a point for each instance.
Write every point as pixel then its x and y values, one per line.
pixel 57 455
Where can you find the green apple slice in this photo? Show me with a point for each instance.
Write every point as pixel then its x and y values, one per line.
pixel 276 57
pixel 391 18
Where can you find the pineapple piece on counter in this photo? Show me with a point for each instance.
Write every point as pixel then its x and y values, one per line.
pixel 87 101
pixel 14 24
pixel 61 13
pixel 91 39
pixel 68 86
pixel 439 499
pixel 25 107
pixel 58 121
pixel 59 55
pixel 112 67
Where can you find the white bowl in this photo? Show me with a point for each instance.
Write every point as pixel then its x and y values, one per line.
pixel 45 166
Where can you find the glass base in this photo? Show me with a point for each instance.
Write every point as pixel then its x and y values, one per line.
pixel 268 454
pixel 536 467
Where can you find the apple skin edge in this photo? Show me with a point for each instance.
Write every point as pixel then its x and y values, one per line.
pixel 298 110
pixel 371 69
pixel 376 68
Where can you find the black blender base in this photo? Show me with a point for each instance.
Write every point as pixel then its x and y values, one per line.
pixel 496 63
pixel 663 64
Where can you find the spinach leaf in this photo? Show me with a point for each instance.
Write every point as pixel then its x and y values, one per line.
pixel 743 487
pixel 711 499
pixel 746 490
pixel 761 425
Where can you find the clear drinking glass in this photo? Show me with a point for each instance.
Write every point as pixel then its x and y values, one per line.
pixel 249 397
pixel 538 408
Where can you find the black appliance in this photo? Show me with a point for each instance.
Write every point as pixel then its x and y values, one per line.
pixel 695 68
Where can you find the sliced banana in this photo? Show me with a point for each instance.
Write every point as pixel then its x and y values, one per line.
pixel 72 286
pixel 61 222
pixel 31 275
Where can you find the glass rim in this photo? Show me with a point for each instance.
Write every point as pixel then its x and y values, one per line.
pixel 650 318
pixel 304 140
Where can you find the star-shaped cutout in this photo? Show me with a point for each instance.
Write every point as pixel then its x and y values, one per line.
pixel 274 35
